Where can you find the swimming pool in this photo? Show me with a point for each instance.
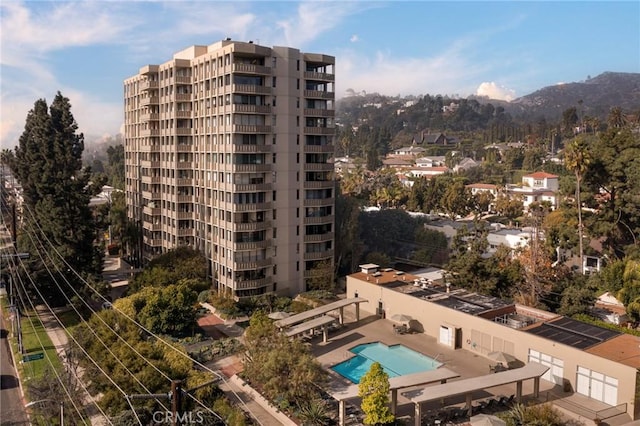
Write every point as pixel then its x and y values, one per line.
pixel 396 360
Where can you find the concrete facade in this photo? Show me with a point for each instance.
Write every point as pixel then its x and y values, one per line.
pixel 226 150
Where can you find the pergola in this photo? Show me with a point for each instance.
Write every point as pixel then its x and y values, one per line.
pixel 322 310
pixel 341 394
pixel 466 387
pixel 322 321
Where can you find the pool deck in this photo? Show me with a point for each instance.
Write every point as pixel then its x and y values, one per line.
pixel 467 364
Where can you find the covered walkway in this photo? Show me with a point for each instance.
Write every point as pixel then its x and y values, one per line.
pixel 323 310
pixel 322 321
pixel 395 383
pixel 468 386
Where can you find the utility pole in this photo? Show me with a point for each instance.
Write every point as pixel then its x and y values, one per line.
pixel 176 400
pixel 175 395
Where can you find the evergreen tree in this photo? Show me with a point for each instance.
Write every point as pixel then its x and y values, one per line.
pixel 58 226
pixel 374 391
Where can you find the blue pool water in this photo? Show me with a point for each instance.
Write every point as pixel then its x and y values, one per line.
pixel 396 360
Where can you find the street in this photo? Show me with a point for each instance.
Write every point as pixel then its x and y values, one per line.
pixel 12 411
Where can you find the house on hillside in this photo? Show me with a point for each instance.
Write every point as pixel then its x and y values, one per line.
pixel 342 165
pixel 409 151
pixel 477 188
pixel 396 163
pixel 432 161
pixel 465 164
pixel 536 188
pixel 608 308
pixel 427 172
pixel 514 239
pixel 435 139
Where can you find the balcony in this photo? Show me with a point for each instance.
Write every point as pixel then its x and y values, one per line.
pixel 251 207
pixel 152 242
pixel 262 148
pixel 252 284
pixel 318 255
pixel 318 220
pixel 151 211
pixel 183 97
pixel 251 109
pixel 184 181
pixel 253 226
pixel 241 128
pixel 317 202
pixel 319 237
pixel 318 167
pixel 248 168
pixel 319 148
pixel 251 88
pixel 185 198
pixel 149 132
pixel 184 165
pixel 319 130
pixel 184 114
pixel 254 245
pixel 251 69
pixel 184 215
pixel 319 94
pixel 323 184
pixel 156 227
pixel 149 117
pixel 148 84
pixel 186 232
pixel 312 112
pixel 258 187
pixel 250 265
pixel 183 80
pixel 149 100
pixel 319 76
pixel 184 131
pixel 183 147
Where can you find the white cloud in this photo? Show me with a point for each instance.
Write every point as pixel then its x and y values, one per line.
pixel 495 91
pixel 354 38
pixel 315 18
pixel 447 74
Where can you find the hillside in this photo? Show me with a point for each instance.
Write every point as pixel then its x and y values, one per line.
pixel 597 94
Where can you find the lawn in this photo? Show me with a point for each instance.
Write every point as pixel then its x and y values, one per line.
pixel 34 339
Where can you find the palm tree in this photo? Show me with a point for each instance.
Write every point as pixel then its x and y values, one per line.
pixel 616 118
pixel 577 158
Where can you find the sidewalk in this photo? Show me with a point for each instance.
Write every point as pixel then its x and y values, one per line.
pixel 59 340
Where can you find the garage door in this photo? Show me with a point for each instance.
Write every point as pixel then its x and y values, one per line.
pixel 597 386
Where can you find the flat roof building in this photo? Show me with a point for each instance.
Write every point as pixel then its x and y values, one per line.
pixel 226 151
pixel 595 362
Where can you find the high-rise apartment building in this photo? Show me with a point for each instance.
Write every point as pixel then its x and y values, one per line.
pixel 226 150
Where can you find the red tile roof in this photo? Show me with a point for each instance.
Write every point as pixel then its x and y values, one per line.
pixel 541 175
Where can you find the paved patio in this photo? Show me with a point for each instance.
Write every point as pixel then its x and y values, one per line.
pixel 467 364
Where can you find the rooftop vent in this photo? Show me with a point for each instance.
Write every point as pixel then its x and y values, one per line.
pixel 369 268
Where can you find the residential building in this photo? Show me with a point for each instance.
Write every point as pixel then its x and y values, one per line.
pixel 226 150
pixel 598 363
pixel 513 239
pixel 433 161
pixel 536 188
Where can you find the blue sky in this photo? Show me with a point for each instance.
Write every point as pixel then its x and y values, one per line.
pixel 504 49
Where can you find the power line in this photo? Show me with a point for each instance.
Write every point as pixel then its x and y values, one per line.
pixel 104 322
pixel 73 338
pixel 33 326
pixel 219 376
